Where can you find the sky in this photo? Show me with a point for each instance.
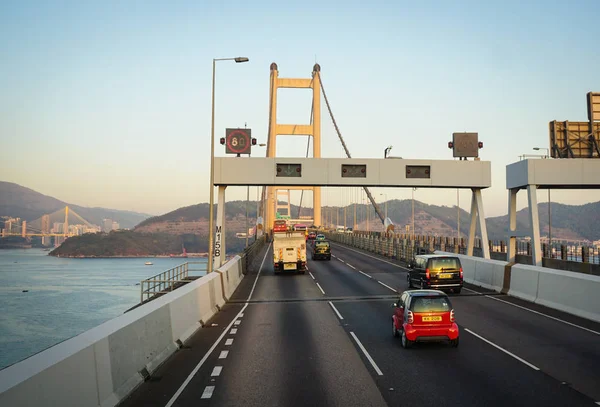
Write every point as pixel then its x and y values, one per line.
pixel 108 103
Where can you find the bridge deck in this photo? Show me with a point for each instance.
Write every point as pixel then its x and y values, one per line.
pixel 292 349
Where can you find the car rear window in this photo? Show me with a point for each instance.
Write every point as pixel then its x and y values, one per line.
pixel 430 304
pixel 322 244
pixel 444 263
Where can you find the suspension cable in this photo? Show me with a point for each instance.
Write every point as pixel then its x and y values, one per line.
pixel 375 206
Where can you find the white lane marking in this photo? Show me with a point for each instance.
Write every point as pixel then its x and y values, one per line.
pixel 341 260
pixel 373 257
pixel 313 277
pixel 536 312
pixel 385 285
pixel 208 392
pixel 351 266
pixel 362 272
pixel 233 331
pixel 212 348
pixel 598 402
pixel 216 371
pixel 223 354
pixel 320 289
pixel 240 316
pixel 503 350
pixel 336 311
pixel 228 341
pixel 237 322
pixel 379 372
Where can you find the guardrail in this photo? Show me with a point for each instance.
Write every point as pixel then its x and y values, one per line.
pixel 167 281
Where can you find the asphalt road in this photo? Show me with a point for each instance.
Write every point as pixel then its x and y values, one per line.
pixel 325 339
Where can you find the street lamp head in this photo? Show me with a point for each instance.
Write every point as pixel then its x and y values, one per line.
pixel 262 145
pixel 536 148
pixel 241 59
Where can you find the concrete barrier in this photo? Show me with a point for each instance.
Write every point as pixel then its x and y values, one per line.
pixel 524 281
pixel 570 292
pixel 103 365
pixel 231 275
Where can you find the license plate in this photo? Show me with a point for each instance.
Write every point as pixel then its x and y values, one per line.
pixel 289 266
pixel 448 275
pixel 432 319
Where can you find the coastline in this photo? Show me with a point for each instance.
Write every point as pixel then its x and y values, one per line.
pixel 147 256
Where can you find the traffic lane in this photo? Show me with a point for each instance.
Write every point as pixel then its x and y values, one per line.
pixel 293 354
pixel 366 261
pixel 567 353
pixel 283 286
pixel 338 280
pixel 166 380
pixel 264 258
pixel 433 374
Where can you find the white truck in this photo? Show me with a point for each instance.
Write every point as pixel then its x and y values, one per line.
pixel 289 251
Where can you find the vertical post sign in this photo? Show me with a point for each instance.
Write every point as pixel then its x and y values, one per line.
pixel 217 248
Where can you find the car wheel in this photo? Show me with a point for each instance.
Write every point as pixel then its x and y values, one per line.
pixel 394 330
pixel 454 343
pixel 405 342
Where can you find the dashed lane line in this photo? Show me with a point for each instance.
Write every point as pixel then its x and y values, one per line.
pixel 216 371
pixel 336 311
pixel 228 342
pixel 376 258
pixel 503 350
pixel 362 272
pixel 318 285
pixel 219 339
pixel 233 331
pixel 369 358
pixel 236 323
pixel 208 392
pixel 223 354
pixel 311 275
pixel 387 286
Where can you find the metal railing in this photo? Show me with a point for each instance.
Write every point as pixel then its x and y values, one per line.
pixel 168 280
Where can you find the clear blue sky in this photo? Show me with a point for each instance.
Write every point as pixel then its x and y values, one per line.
pixel 107 103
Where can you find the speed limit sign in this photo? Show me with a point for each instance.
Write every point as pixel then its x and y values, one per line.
pixel 238 141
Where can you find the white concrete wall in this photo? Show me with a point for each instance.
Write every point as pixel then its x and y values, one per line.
pixel 231 275
pixel 101 366
pixel 574 293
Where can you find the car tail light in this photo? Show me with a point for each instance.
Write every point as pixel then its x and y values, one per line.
pixel 427 274
pixel 452 316
pixel 410 317
pixel 461 273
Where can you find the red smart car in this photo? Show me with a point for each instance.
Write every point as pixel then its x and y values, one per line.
pixel 424 316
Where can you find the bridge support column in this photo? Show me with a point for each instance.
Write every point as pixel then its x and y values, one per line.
pixel 512 225
pixel 477 212
pixel 534 219
pixel 220 249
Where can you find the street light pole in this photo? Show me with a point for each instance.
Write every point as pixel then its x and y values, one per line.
pixel 413 213
pixel 549 207
pixel 247 203
pixel 211 222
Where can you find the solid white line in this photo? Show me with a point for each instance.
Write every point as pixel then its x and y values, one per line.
pixel 336 311
pixel 216 371
pixel 313 277
pixel 228 341
pixel 223 354
pixel 233 331
pixel 503 350
pixel 373 257
pixel 207 354
pixel 362 272
pixel 379 372
pixel 385 285
pixel 536 312
pixel 237 322
pixel 320 289
pixel 208 392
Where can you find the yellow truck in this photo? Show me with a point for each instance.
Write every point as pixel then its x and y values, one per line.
pixel 289 251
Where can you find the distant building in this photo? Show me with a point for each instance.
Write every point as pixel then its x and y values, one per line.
pixel 115 225
pixel 58 227
pixel 107 225
pixel 46 224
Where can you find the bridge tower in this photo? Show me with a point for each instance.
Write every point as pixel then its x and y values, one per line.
pixel 275 129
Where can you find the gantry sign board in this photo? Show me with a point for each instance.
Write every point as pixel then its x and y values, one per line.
pixel 274 171
pixel 574 139
pixel 593 105
pixel 577 173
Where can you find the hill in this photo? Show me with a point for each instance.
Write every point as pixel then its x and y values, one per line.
pixel 27 204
